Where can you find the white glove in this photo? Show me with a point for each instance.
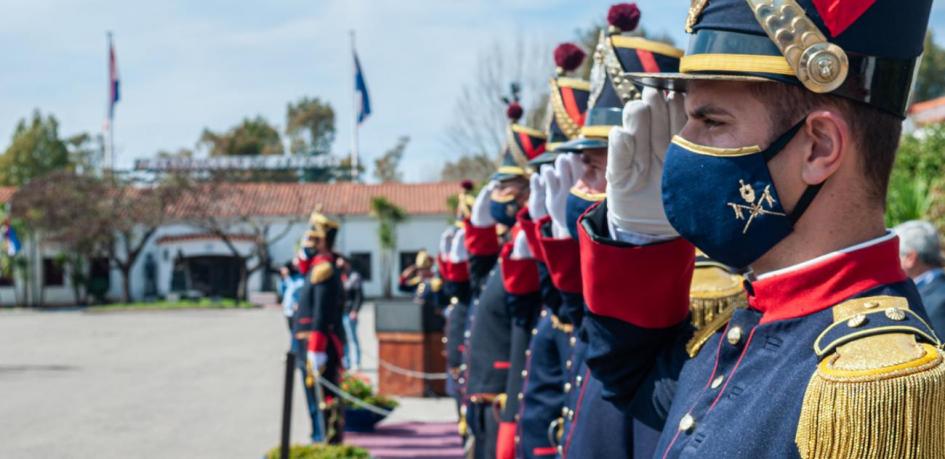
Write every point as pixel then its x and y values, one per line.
pixel 458 252
pixel 446 240
pixel 635 166
pixel 536 197
pixel 520 250
pixel 558 182
pixel 479 215
pixel 317 359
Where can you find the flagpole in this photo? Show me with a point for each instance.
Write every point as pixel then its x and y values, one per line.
pixel 110 160
pixel 354 113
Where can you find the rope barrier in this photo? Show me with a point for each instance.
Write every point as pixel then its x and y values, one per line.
pixel 406 371
pixel 345 395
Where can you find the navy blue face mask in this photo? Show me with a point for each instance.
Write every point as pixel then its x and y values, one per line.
pixel 723 200
pixel 503 209
pixel 578 202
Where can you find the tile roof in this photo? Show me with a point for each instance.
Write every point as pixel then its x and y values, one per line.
pixel 282 199
pixel 6 192
pixel 190 237
pixel 928 112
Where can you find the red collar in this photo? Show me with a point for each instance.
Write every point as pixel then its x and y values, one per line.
pixel 827 280
pixel 323 258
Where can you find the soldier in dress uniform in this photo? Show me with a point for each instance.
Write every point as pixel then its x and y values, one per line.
pixel 590 426
pixel 542 395
pixel 318 327
pixel 504 301
pixel 454 270
pixel 414 275
pixel 782 151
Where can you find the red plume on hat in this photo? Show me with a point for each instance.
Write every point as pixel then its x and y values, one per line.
pixel 624 17
pixel 568 57
pixel 514 111
pixel 467 184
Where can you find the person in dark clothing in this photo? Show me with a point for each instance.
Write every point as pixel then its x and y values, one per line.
pixel 354 298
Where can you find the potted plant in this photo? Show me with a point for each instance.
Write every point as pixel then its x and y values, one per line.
pixel 357 418
pixel 321 451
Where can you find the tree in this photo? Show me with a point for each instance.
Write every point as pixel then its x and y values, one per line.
pixel 253 136
pixel 388 216
pixel 479 120
pixel 477 168
pixel 66 209
pixel 135 213
pixel 387 167
pixel 220 208
pixel 310 126
pixel 917 186
pixel 36 150
pixel 930 81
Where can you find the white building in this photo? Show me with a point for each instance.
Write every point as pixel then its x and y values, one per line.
pixel 210 265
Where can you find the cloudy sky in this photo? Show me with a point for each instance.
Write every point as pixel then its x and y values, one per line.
pixel 186 65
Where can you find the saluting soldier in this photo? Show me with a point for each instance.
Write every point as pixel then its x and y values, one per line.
pixel 590 426
pixel 779 165
pixel 505 306
pixel 542 396
pixel 319 325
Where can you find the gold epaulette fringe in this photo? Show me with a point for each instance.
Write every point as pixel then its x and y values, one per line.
pixel 321 272
pixel 880 396
pixel 713 290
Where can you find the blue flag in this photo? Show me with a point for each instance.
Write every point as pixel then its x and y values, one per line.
pixel 12 242
pixel 360 90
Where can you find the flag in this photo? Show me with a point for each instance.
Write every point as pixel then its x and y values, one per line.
pixel 12 242
pixel 360 91
pixel 113 81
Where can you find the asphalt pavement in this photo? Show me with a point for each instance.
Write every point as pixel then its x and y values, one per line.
pixel 159 384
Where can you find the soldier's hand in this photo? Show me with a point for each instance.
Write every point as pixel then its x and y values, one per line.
pixel 480 216
pixel 446 240
pixel 558 182
pixel 458 253
pixel 317 360
pixel 520 250
pixel 536 197
pixel 635 165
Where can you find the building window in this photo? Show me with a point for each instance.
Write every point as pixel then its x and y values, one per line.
pixel 407 259
pixel 6 277
pixel 53 275
pixel 361 262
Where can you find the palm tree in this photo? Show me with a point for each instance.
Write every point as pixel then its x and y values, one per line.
pixel 388 215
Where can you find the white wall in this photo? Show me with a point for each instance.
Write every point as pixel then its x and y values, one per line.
pixel 358 234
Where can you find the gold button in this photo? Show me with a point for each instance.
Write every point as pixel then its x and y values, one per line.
pixel 564 411
pixel 578 380
pixel 444 340
pixel 528 352
pixel 895 314
pixel 570 415
pixel 718 381
pixel 524 373
pixel 734 335
pixel 544 312
pixel 567 387
pixel 687 423
pixel 560 450
pixel 521 395
pixel 573 341
pixel 567 364
pixel 856 321
pixel 534 331
pixel 516 437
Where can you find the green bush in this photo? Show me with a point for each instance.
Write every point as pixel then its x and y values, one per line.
pixel 362 390
pixel 321 451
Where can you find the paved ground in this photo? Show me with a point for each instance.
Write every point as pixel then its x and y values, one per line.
pixel 186 384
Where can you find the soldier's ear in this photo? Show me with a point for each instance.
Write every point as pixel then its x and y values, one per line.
pixel 828 143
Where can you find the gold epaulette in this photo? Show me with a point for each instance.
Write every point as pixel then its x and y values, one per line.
pixel 878 391
pixel 321 272
pixel 713 290
pixel 713 295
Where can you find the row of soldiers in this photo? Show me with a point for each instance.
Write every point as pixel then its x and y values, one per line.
pixel 690 260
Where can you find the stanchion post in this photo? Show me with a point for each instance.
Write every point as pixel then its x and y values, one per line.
pixel 287 405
